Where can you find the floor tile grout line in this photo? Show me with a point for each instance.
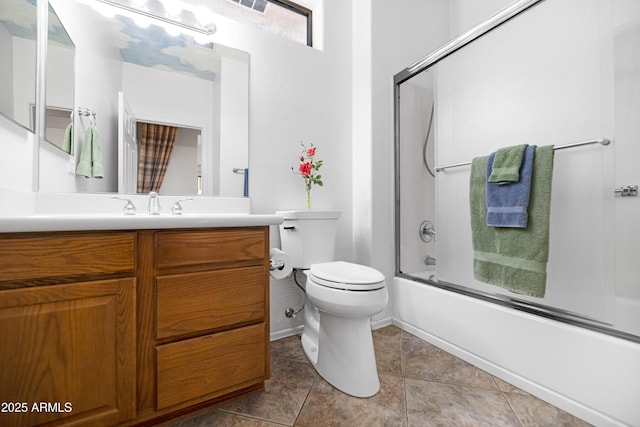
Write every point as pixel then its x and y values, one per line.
pixel 515 413
pixel 253 417
pixel 304 402
pixel 404 381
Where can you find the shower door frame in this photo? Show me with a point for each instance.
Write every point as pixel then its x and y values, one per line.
pixel 419 66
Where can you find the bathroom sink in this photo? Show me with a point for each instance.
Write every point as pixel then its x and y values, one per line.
pixel 119 221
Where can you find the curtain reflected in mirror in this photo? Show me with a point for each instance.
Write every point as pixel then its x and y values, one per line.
pixel 154 152
pixel 165 158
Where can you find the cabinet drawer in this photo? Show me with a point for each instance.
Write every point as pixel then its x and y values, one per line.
pixel 31 257
pixel 183 248
pixel 194 302
pixel 209 366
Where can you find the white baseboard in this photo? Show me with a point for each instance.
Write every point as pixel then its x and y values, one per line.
pixel 278 335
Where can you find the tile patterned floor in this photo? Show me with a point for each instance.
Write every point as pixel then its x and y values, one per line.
pixel 421 385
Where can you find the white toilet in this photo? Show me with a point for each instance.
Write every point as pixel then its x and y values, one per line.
pixel 340 299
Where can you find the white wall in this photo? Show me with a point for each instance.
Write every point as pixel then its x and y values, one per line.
pixel 234 126
pixel 298 93
pixel 16 156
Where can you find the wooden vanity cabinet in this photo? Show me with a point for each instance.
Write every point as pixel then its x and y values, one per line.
pixel 203 316
pixel 130 327
pixel 67 329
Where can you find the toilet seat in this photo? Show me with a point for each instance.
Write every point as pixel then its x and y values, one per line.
pixel 346 276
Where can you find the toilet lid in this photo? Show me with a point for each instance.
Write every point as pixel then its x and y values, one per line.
pixel 346 275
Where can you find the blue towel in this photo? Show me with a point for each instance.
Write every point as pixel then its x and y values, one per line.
pixel 507 204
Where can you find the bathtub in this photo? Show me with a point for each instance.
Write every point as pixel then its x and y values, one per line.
pixel 591 375
pixel 628 315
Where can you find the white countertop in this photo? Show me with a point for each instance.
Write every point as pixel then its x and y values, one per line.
pixel 75 222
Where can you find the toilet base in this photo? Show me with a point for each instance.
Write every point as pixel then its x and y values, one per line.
pixel 342 353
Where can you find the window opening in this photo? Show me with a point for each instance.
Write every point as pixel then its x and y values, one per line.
pixel 283 17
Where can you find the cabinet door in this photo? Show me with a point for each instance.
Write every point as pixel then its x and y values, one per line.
pixel 67 353
pixel 202 368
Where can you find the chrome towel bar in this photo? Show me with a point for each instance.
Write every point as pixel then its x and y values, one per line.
pixel 602 141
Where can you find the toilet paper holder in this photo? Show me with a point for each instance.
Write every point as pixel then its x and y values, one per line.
pixel 276 265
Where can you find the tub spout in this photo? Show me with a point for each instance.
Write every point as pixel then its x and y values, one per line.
pixel 429 260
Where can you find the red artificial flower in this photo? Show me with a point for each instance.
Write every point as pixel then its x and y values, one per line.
pixel 305 169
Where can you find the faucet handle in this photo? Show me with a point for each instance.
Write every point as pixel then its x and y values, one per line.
pixel 129 208
pixel 176 209
pixel 154 203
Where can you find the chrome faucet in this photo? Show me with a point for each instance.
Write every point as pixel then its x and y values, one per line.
pixel 154 203
pixel 129 208
pixel 176 209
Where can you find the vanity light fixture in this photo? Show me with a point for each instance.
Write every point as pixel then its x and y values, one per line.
pixel 174 14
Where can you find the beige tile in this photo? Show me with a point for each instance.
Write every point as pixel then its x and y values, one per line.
pixel 534 412
pixel 388 347
pixel 284 393
pixel 438 389
pixel 326 406
pixel 289 348
pixel 422 360
pixel 436 404
pixel 222 419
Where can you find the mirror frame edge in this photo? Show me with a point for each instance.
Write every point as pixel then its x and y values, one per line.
pixel 41 81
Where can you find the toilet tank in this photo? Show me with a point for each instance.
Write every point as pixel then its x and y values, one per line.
pixel 309 237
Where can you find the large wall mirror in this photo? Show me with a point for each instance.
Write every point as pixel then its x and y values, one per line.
pixel 18 25
pixel 130 75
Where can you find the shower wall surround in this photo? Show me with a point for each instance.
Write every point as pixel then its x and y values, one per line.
pixel 519 84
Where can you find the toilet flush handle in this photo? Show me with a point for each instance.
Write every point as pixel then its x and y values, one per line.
pixel 289 227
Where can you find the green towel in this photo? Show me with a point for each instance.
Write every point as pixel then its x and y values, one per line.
pixel 90 164
pixel 96 156
pixel 67 145
pixel 506 164
pixel 513 258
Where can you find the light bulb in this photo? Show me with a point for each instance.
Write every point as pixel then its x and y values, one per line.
pixel 173 7
pixel 141 21
pixel 204 16
pixel 172 30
